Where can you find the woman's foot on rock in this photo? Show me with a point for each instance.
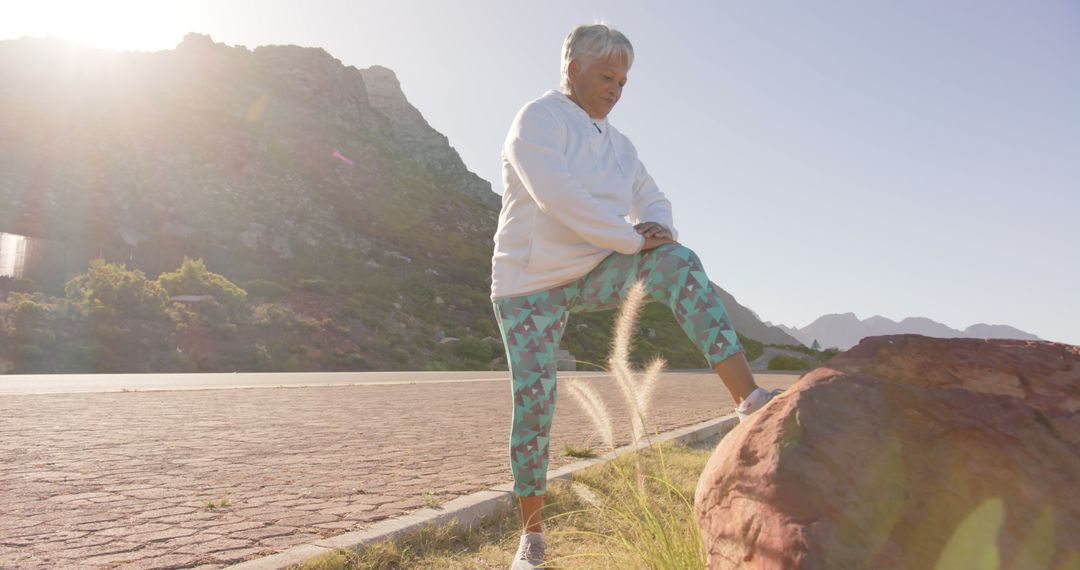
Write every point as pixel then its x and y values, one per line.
pixel 754 402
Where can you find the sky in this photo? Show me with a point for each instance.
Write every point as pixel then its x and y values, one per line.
pixel 916 158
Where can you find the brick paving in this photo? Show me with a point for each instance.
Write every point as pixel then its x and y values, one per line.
pixel 124 480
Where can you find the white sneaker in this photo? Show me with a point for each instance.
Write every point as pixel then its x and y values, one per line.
pixel 530 552
pixel 754 402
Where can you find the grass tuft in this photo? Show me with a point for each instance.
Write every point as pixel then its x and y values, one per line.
pixel 431 500
pixel 217 504
pixel 581 452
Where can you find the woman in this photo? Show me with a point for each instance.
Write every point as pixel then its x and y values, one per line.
pixel 563 245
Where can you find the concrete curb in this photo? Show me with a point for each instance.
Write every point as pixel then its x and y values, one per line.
pixel 469 509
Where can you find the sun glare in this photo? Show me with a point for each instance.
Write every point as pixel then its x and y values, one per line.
pixel 109 24
pixel 12 252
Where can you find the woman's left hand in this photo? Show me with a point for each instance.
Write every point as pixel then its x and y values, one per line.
pixel 652 230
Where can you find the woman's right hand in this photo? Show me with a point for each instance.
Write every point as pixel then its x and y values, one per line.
pixel 651 242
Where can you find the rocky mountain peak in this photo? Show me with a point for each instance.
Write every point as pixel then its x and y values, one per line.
pixel 383 75
pixel 384 92
pixel 194 41
pixel 877 319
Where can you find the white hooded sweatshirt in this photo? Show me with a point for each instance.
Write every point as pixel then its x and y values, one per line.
pixel 571 184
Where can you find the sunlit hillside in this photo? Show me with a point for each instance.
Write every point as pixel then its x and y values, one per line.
pixel 355 235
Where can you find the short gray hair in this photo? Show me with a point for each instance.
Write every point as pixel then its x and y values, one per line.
pixel 590 42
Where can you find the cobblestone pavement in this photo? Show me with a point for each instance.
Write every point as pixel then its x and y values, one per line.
pixel 125 480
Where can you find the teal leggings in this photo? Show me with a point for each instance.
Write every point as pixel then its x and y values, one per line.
pixel 532 327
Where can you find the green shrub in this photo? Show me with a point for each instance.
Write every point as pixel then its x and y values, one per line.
pixel 182 362
pixel 423 341
pixel 78 354
pixel 261 360
pixel 29 353
pixel 336 327
pixel 320 286
pixel 290 364
pixel 438 366
pixel 377 284
pixel 99 312
pixel 270 314
pixel 29 309
pixel 420 289
pixel 263 289
pixel 357 361
pixel 304 324
pixel 465 297
pixel 400 355
pixel 474 349
pixel 817 357
pixel 107 332
pixel 355 308
pixel 828 354
pixel 484 326
pixel 193 278
pixel 345 288
pixel 787 363
pixel 753 348
pixel 113 286
pixel 65 309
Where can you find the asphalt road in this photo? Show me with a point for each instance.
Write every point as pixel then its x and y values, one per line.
pixel 83 383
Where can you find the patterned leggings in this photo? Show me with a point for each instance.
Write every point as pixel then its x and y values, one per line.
pixel 532 327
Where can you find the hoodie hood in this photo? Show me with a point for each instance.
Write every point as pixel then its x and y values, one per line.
pixel 602 136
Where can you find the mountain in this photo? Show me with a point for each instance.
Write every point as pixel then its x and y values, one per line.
pixel 846 330
pixel 981 330
pixel 747 323
pixel 791 332
pixel 361 239
pixel 276 152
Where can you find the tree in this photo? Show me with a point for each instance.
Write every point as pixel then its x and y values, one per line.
pixel 193 278
pixel 815 346
pixel 114 286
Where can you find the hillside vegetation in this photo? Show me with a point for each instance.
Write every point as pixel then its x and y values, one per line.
pixel 219 208
pixel 116 319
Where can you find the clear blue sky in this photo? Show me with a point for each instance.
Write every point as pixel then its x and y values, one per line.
pixel 917 158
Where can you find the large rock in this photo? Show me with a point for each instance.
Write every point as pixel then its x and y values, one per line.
pixel 906 452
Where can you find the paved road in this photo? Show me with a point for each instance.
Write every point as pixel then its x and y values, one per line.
pixel 78 383
pixel 122 479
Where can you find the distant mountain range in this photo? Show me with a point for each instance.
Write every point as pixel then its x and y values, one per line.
pixel 845 330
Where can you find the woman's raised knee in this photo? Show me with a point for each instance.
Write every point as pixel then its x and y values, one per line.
pixel 679 254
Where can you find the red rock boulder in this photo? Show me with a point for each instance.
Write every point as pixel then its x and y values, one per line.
pixel 906 452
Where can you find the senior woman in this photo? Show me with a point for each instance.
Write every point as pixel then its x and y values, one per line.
pixel 564 245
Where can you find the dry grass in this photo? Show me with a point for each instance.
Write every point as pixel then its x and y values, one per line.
pixel 585 519
pixel 635 511
pixel 594 408
pixel 578 451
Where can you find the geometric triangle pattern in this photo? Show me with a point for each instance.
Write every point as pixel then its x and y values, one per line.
pixel 532 327
pixel 673 275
